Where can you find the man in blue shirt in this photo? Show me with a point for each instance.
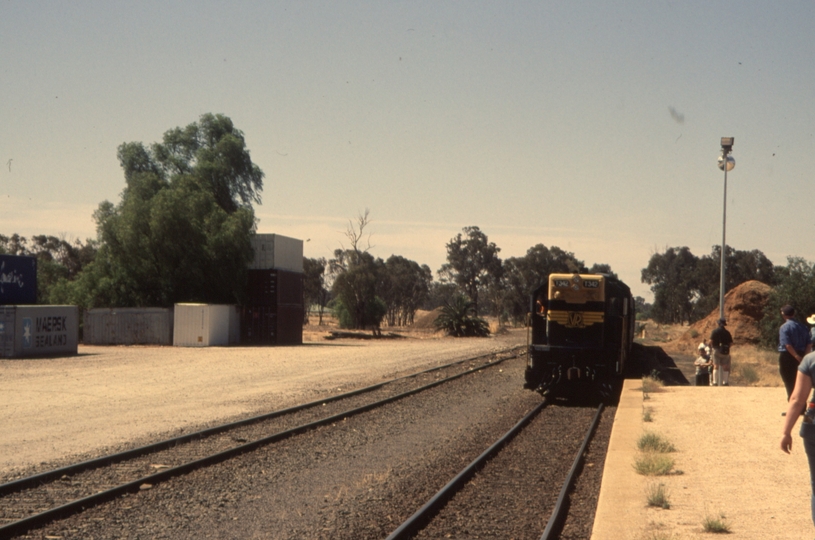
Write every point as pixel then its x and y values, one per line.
pixel 793 343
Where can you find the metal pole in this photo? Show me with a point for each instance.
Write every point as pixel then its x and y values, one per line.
pixel 724 244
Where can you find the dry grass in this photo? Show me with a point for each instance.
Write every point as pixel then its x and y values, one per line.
pixel 752 366
pixel 652 464
pixel 653 442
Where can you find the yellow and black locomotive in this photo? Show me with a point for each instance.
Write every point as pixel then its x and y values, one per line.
pixel 582 328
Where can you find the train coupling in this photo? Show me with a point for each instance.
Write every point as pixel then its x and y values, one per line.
pixel 573 373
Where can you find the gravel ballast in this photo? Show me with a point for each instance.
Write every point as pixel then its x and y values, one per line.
pixel 361 477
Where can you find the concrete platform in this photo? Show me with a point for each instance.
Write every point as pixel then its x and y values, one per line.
pixel 728 462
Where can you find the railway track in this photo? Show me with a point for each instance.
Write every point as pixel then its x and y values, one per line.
pixel 470 503
pixel 31 502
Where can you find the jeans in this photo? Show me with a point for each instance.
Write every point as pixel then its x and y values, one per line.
pixel 808 435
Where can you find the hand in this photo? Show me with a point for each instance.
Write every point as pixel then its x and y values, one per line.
pixel 786 443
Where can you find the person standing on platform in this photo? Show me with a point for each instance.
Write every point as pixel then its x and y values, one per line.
pixel 702 364
pixel 811 322
pixel 794 342
pixel 720 342
pixel 804 379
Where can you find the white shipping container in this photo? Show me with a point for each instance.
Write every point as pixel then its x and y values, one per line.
pixel 277 251
pixel 205 325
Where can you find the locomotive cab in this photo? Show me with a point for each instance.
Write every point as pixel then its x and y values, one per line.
pixel 580 333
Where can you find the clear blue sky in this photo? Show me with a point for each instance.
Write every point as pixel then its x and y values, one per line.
pixel 592 126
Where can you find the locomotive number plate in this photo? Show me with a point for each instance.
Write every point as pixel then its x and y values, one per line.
pixel 591 284
pixel 562 283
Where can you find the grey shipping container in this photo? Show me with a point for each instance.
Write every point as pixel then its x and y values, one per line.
pixel 277 251
pixel 27 331
pixel 128 326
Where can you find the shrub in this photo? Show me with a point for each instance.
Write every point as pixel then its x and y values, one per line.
pixel 458 319
pixel 749 374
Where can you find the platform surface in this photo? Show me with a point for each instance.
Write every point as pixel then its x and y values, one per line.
pixel 727 451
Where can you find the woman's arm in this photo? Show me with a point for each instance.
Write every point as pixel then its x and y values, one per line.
pixel 798 399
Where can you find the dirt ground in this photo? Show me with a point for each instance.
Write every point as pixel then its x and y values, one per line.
pixel 54 409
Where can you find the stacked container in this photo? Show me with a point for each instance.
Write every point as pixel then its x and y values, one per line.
pixel 273 314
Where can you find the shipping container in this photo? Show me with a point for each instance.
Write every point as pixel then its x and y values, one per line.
pixel 128 326
pixel 274 311
pixel 273 288
pixel 258 325
pixel 30 331
pixel 205 325
pixel 18 280
pixel 277 251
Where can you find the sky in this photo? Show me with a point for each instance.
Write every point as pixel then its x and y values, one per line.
pixel 591 126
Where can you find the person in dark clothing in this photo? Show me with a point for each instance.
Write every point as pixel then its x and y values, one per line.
pixel 793 343
pixel 720 342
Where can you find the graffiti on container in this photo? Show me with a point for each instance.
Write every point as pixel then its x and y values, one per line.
pixel 12 277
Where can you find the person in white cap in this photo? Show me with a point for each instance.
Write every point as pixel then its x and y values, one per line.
pixel 811 322
pixel 702 364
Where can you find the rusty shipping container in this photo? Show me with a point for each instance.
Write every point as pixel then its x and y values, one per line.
pixel 128 326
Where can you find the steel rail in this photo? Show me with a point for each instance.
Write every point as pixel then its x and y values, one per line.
pixel 103 461
pixel 558 514
pixel 38 520
pixel 415 522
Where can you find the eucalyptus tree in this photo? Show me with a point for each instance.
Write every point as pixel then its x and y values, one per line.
pixel 182 229
pixel 472 263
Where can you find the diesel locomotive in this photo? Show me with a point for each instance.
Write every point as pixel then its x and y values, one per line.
pixel 580 334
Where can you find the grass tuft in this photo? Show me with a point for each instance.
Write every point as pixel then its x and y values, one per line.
pixel 657 496
pixel 651 385
pixel 647 413
pixel 652 464
pixel 717 525
pixel 651 442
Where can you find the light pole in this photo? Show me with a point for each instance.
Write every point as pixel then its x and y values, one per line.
pixel 726 163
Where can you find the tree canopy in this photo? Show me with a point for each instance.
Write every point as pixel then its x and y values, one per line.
pixel 686 287
pixel 181 231
pixel 522 275
pixel 472 263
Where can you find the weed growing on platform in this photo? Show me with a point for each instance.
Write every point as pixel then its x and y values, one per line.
pixel 657 496
pixel 651 442
pixel 716 524
pixel 647 413
pixel 652 464
pixel 651 384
